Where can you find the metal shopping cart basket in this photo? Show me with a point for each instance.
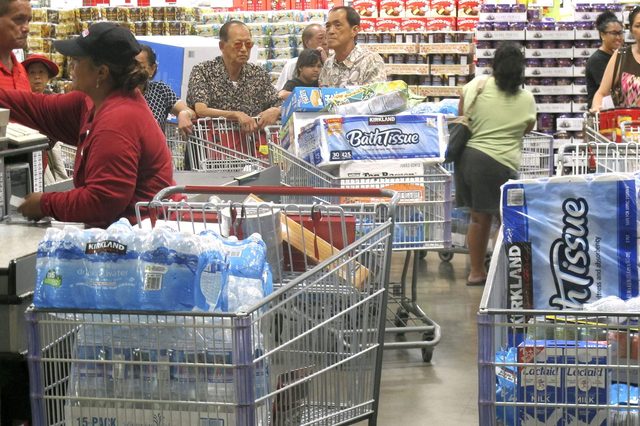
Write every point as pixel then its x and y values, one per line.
pixel 554 367
pixel 68 157
pixel 218 144
pixel 578 159
pixel 423 223
pixel 310 353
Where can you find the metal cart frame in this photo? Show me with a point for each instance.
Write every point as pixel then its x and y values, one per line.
pixel 434 215
pixel 309 353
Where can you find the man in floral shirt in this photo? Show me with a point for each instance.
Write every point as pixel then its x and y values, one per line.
pixel 350 64
pixel 231 88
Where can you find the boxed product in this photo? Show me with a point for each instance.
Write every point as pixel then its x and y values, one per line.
pixel 443 23
pixel 389 25
pixel 404 176
pixel 291 129
pixel 332 140
pixel 583 380
pixel 570 240
pixel 440 8
pixel 468 8
pixel 416 8
pixel 308 99
pixel 414 24
pixel 368 25
pixel 391 8
pixel 366 8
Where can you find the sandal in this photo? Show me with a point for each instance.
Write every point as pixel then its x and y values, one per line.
pixel 477 283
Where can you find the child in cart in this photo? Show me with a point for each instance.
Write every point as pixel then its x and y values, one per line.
pixel 307 72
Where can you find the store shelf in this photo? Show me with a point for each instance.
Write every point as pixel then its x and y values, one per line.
pixel 451 69
pixel 550 35
pixel 438 91
pixel 551 90
pixel 392 48
pixel 407 69
pixel 500 35
pixel 446 48
pixel 549 72
pixel 548 53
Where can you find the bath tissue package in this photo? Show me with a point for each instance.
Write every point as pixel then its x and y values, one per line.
pixel 570 240
pixel 331 140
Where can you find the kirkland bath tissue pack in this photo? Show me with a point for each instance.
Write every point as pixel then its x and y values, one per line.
pixel 332 140
pixel 570 240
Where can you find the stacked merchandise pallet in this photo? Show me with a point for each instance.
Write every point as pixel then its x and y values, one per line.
pixel 426 44
pixel 556 54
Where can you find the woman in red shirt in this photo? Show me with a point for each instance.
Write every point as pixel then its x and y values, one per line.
pixel 122 157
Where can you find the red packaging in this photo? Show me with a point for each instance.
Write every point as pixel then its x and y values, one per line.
pixel 328 228
pixel 368 25
pixel 441 24
pixel 466 24
pixel 391 9
pixel 366 8
pixel 310 4
pixel 388 25
pixel 296 4
pixel 444 8
pixel 416 8
pixel 414 24
pixel 467 8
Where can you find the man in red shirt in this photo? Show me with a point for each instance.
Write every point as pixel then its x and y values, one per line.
pixel 15 16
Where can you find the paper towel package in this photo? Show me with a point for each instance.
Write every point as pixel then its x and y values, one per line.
pixel 332 140
pixel 570 240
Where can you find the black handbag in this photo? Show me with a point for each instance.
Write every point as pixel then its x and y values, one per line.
pixel 460 131
pixel 616 86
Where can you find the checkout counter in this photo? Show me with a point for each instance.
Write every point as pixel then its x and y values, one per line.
pixel 21 172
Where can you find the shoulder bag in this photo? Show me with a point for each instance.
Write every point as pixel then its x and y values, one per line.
pixel 616 85
pixel 459 130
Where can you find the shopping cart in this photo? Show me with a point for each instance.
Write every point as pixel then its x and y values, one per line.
pixel 560 367
pixel 68 157
pixel 537 161
pixel 579 159
pixel 218 144
pixel 309 353
pixel 423 222
pixel 607 125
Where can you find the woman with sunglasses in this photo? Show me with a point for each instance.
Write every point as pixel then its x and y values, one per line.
pixel 232 88
pixel 621 78
pixel 612 35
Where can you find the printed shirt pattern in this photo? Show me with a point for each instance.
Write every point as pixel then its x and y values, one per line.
pixel 161 99
pixel 360 67
pixel 630 89
pixel 209 84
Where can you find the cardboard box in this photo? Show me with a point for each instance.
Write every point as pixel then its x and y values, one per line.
pixel 291 129
pixel 368 25
pixel 442 8
pixel 391 9
pixel 308 99
pixel 466 23
pixel 414 24
pixel 416 8
pixel 366 8
pixel 468 8
pixel 441 24
pixel 389 25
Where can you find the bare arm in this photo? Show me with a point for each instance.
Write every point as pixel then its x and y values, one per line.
pixel 247 124
pixel 185 116
pixel 606 84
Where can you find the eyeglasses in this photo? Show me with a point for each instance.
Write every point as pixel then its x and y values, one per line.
pixel 247 45
pixel 615 33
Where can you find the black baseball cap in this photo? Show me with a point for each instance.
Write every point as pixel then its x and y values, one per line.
pixel 103 41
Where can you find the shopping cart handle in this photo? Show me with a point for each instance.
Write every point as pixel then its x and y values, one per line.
pixel 273 190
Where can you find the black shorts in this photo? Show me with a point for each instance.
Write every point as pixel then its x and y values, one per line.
pixel 478 179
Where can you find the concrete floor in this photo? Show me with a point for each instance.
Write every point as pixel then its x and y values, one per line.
pixel 443 392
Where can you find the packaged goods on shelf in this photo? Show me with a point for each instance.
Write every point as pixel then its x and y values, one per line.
pixel 564 249
pixel 331 140
pixel 308 99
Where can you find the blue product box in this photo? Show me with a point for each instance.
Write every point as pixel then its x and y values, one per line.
pixel 308 99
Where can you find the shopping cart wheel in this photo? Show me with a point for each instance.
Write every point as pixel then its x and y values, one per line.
pixel 445 256
pixel 401 319
pixel 427 353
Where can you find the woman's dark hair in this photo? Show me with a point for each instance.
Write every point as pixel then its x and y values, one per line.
pixel 151 57
pixel 307 58
pixel 508 67
pixel 125 76
pixel 604 19
pixel 632 15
